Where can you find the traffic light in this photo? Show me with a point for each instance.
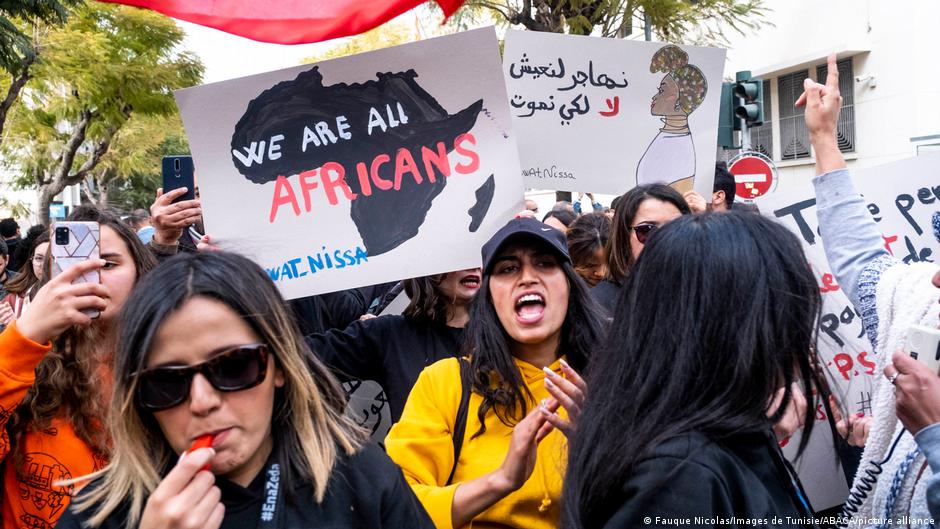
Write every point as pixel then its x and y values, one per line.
pixel 750 106
pixel 727 121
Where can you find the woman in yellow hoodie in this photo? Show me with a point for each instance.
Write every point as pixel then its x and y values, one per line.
pixel 516 395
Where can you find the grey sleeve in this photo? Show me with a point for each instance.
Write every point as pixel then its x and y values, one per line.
pixel 850 235
pixel 928 440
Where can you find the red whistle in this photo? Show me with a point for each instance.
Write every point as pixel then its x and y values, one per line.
pixel 203 441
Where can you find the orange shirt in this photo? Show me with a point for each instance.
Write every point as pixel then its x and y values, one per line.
pixel 31 498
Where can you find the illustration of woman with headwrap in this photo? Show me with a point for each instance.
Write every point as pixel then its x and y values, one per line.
pixel 670 158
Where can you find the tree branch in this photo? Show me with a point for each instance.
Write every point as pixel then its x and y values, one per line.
pixel 70 149
pixel 88 192
pixel 16 86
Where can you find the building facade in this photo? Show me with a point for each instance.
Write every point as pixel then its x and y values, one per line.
pixel 889 79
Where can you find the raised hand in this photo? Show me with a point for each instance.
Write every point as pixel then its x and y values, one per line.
pixel 59 304
pixel 569 393
pixel 695 201
pixel 169 219
pixel 523 450
pixel 822 104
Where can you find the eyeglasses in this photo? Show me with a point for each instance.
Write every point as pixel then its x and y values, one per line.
pixel 643 231
pixel 235 369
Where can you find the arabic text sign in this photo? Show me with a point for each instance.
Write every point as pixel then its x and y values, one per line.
pixel 603 115
pixel 359 170
pixel 902 197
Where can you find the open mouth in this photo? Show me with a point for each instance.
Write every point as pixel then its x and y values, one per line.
pixel 471 281
pixel 530 308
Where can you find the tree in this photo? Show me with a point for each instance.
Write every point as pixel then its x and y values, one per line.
pixel 130 172
pixel 387 35
pixel 18 51
pixel 669 20
pixel 107 64
pixel 16 47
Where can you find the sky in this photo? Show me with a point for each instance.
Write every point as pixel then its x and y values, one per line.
pixel 228 56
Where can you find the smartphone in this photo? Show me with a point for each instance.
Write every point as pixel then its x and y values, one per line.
pixel 72 243
pixel 923 344
pixel 177 173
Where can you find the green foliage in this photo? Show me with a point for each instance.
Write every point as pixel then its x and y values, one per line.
pixel 15 44
pixel 128 175
pixel 384 36
pixel 106 68
pixel 679 21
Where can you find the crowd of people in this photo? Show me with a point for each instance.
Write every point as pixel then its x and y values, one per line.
pixel 600 369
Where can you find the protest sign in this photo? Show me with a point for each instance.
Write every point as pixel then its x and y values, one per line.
pixel 604 115
pixel 359 170
pixel 901 197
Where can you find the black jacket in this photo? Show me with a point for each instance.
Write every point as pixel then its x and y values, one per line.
pixel 694 478
pixel 391 349
pixel 606 294
pixel 365 490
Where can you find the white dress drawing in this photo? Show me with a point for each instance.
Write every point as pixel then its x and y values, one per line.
pixel 669 158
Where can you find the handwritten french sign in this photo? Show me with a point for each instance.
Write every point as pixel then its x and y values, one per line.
pixel 604 115
pixel 901 196
pixel 359 170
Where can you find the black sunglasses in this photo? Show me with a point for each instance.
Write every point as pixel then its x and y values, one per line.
pixel 643 231
pixel 235 369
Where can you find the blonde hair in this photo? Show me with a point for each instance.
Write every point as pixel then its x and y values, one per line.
pixel 308 424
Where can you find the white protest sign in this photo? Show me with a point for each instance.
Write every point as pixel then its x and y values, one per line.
pixel 901 197
pixel 602 115
pixel 359 170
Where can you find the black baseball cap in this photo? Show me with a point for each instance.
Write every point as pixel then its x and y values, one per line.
pixel 524 228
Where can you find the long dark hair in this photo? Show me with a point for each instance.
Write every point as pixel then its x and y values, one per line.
pixel 27 279
pixel 618 252
pixel 426 304
pixel 495 376
pixel 719 311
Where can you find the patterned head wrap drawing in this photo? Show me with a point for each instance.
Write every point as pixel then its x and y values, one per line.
pixel 673 61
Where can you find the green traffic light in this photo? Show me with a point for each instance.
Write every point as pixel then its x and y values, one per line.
pixel 750 91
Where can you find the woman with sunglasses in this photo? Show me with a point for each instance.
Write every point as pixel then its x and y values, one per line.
pixel 639 212
pixel 476 440
pixel 679 424
pixel 55 377
pixel 210 357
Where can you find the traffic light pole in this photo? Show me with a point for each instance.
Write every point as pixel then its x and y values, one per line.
pixel 745 137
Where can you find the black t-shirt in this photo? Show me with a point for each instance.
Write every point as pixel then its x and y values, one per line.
pixel 366 490
pixel 390 349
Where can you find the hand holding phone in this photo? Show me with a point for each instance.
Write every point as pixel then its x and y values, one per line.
pixel 73 243
pixel 178 172
pixel 62 303
pixel 923 345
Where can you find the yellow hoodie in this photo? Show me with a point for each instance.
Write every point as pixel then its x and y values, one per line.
pixel 422 445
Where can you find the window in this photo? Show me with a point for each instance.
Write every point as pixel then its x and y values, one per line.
pixel 762 138
pixel 794 137
pixel 845 133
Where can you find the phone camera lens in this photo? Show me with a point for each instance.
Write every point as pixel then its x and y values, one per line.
pixel 61 236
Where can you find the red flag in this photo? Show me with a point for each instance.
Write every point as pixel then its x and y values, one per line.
pixel 287 21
